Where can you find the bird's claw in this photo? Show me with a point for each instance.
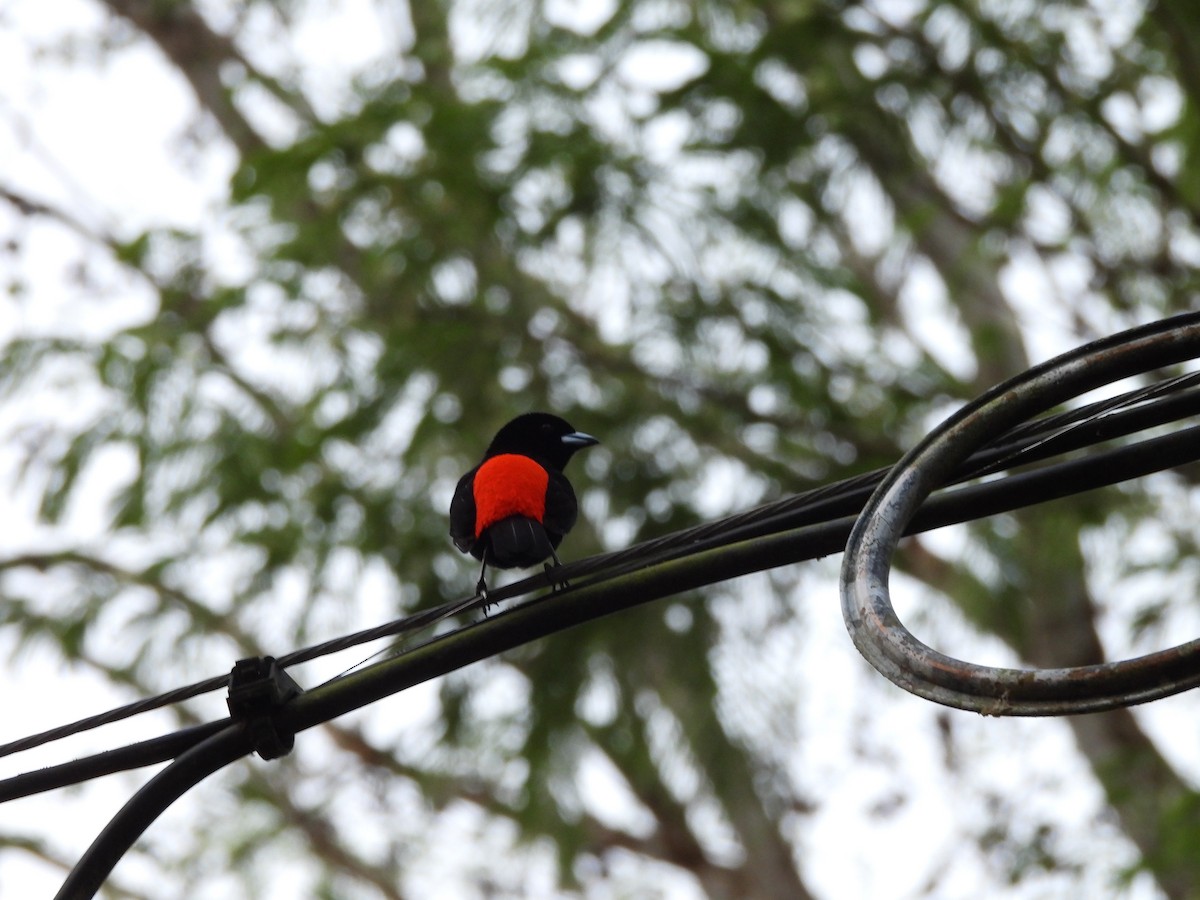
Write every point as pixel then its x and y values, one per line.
pixel 556 586
pixel 481 591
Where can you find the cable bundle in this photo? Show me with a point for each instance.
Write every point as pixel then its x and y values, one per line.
pixel 805 526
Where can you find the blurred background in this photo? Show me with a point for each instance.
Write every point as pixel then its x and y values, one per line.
pixel 274 272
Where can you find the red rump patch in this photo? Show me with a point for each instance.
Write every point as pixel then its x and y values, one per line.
pixel 509 485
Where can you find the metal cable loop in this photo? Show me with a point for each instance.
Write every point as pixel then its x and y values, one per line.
pixel 866 602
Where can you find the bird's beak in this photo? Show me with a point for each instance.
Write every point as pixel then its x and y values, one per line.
pixel 578 440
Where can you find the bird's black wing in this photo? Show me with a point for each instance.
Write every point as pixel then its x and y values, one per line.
pixel 562 509
pixel 462 513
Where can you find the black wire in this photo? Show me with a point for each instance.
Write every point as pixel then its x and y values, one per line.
pixel 895 652
pixel 718 555
pixel 1118 416
pixel 132 756
pixel 114 715
pixel 397 626
pixel 191 767
pixel 1031 442
pixel 708 562
pixel 552 613
pixel 761 539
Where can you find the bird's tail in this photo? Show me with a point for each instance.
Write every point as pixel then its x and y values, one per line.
pixel 518 542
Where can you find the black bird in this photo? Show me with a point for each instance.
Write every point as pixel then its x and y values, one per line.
pixel 513 509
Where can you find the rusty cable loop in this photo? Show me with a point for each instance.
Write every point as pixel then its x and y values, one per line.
pixel 870 618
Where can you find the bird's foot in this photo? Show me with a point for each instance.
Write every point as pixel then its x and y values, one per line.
pixel 556 586
pixel 481 591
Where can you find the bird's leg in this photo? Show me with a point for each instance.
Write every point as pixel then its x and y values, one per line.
pixel 481 586
pixel 560 585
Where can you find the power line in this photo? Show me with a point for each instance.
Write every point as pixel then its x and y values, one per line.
pixel 988 436
pixel 806 526
pixel 1127 413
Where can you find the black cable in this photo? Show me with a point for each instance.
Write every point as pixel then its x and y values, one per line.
pixel 900 505
pixel 1031 442
pixel 178 695
pixel 414 622
pixel 551 613
pixel 708 562
pixel 896 653
pixel 1119 416
pixel 191 767
pixel 108 762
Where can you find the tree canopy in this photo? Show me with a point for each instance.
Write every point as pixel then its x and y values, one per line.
pixel 753 248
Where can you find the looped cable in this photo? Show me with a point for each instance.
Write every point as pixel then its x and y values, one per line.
pixel 877 631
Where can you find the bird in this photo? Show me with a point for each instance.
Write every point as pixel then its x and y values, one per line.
pixel 513 509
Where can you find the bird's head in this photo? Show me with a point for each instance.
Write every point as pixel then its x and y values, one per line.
pixel 544 437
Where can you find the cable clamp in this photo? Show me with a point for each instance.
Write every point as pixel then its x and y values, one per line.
pixel 258 688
